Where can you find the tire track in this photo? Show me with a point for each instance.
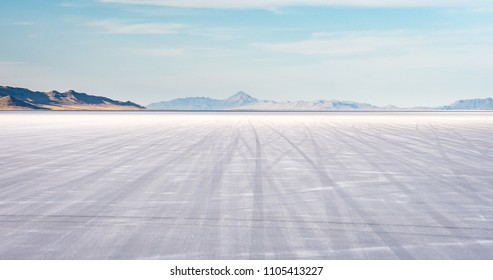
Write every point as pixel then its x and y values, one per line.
pixel 257 243
pixel 113 196
pixel 438 217
pixel 325 180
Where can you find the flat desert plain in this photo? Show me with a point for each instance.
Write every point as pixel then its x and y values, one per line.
pixel 177 185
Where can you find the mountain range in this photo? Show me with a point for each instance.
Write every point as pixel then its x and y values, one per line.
pixel 243 101
pixel 12 98
pixel 239 100
pixel 470 104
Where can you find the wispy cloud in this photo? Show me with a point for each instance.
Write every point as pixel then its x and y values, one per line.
pixel 23 23
pixel 120 27
pixel 344 44
pixel 482 10
pixel 160 52
pixel 217 33
pixel 9 63
pixel 385 44
pixel 196 52
pixel 71 4
pixel 279 3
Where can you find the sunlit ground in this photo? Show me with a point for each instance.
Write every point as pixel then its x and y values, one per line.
pixel 150 185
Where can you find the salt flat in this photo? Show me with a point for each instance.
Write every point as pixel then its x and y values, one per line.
pixel 156 185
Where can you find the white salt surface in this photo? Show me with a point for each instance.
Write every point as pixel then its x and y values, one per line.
pixel 151 185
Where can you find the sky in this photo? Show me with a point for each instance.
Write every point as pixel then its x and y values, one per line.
pixel 384 52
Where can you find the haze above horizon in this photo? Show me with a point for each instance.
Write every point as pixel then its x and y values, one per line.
pixel 405 53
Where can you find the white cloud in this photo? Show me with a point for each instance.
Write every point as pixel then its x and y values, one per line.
pixel 341 45
pixel 6 63
pixel 71 4
pixel 161 52
pixel 378 43
pixel 121 27
pixel 482 10
pixel 278 3
pixel 216 33
pixel 23 23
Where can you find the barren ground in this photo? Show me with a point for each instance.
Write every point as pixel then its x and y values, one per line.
pixel 155 185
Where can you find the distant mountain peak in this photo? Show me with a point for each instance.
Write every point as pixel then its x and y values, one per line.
pixel 241 95
pixel 243 101
pixel 240 99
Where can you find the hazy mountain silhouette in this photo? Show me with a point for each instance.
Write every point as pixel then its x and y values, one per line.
pixel 243 101
pixel 470 104
pixel 205 103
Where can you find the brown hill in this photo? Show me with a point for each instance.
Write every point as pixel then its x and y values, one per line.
pixel 10 103
pixel 69 100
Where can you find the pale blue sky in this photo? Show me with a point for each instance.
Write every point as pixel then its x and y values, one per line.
pixel 400 52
